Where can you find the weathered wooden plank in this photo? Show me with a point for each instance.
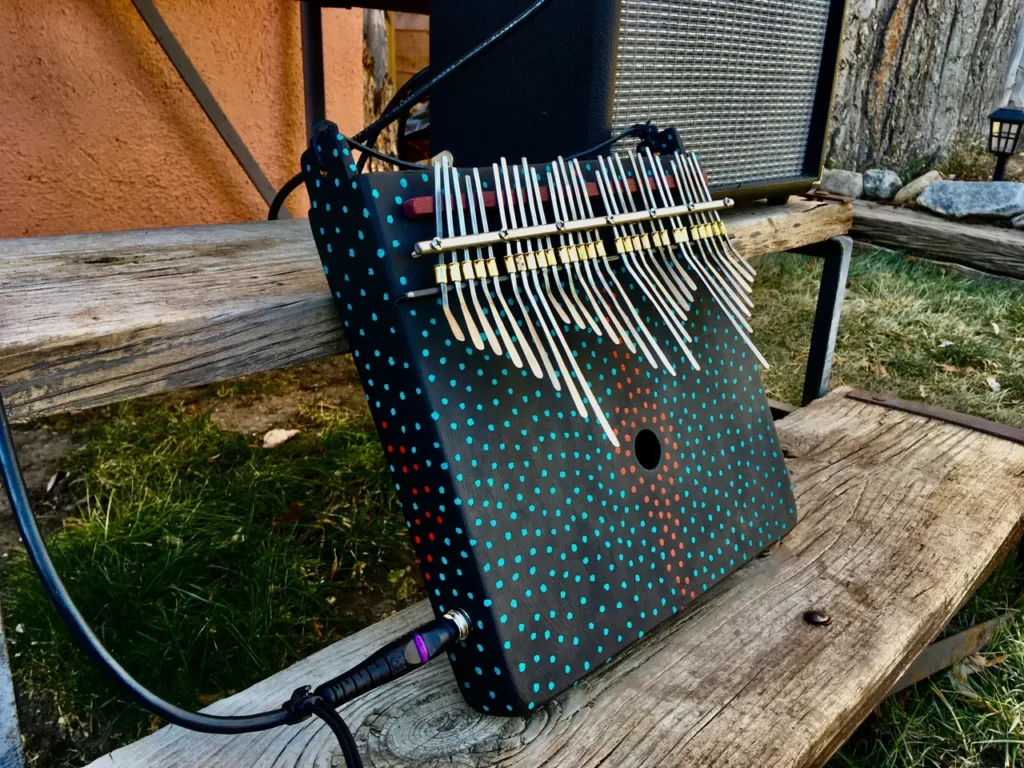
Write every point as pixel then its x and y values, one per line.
pixel 93 319
pixel 989 249
pixel 902 518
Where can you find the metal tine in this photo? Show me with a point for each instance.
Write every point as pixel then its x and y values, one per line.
pixel 467 259
pixel 683 281
pixel 620 317
pixel 537 215
pixel 676 303
pixel 677 292
pixel 499 326
pixel 572 304
pixel 474 332
pixel 743 279
pixel 528 175
pixel 584 384
pixel 641 181
pixel 712 250
pixel 510 339
pixel 675 315
pixel 589 287
pixel 453 324
pixel 646 280
pixel 620 336
pixel 721 289
pixel 734 318
pixel 523 306
pixel 737 293
pixel 619 295
pixel 729 298
pixel 692 166
pixel 545 307
pixel 559 219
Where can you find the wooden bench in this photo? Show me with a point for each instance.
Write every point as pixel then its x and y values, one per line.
pixel 902 517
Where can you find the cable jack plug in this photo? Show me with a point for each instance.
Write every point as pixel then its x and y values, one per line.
pixel 397 658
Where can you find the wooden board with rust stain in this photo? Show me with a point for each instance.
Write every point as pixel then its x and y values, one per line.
pixel 87 320
pixel 902 517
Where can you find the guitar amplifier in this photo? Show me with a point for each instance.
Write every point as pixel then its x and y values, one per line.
pixel 748 83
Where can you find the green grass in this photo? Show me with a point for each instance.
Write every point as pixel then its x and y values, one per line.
pixel 952 720
pixel 207 563
pixel 896 319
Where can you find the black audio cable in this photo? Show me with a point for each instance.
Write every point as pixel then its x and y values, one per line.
pixel 639 131
pixel 394 660
pixel 371 139
pixel 420 93
pixel 415 95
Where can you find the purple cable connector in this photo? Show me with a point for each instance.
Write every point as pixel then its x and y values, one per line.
pixel 421 648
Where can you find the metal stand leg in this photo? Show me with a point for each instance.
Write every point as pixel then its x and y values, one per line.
pixel 313 63
pixel 837 253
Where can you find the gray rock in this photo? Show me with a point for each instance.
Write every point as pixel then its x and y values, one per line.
pixel 914 189
pixel 983 199
pixel 1018 222
pixel 845 183
pixel 881 184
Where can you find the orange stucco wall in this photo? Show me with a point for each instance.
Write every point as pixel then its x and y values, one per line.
pixel 98 132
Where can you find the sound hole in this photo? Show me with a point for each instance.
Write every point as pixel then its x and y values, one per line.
pixel 647 449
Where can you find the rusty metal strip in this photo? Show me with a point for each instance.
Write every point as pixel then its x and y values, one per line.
pixel 994 428
pixel 948 651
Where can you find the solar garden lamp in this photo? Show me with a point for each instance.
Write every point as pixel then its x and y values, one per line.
pixel 1004 136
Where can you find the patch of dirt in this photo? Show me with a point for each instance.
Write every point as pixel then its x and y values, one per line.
pixel 51 490
pixel 279 399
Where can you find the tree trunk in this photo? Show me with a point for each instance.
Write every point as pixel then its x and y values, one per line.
pixel 918 78
pixel 378 81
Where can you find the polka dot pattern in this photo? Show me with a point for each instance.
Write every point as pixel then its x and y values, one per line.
pixel 562 549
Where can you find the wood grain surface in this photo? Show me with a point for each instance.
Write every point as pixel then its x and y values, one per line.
pixel 902 518
pixel 990 249
pixel 92 319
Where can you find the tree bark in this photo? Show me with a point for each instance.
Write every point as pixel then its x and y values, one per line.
pixel 378 81
pixel 918 78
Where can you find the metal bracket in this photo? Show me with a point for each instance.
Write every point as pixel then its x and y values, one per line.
pixel 158 27
pixel 944 653
pixel 837 253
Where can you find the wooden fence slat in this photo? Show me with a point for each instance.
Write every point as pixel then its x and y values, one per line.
pixel 902 519
pixel 990 249
pixel 87 320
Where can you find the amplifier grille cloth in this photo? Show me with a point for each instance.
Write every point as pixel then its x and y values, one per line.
pixel 737 78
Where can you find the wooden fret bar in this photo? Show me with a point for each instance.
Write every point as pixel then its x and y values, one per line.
pixel 423 207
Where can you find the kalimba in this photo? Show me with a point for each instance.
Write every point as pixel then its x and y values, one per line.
pixel 558 361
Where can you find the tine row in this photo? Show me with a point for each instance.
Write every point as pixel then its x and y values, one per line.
pixel 572 282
